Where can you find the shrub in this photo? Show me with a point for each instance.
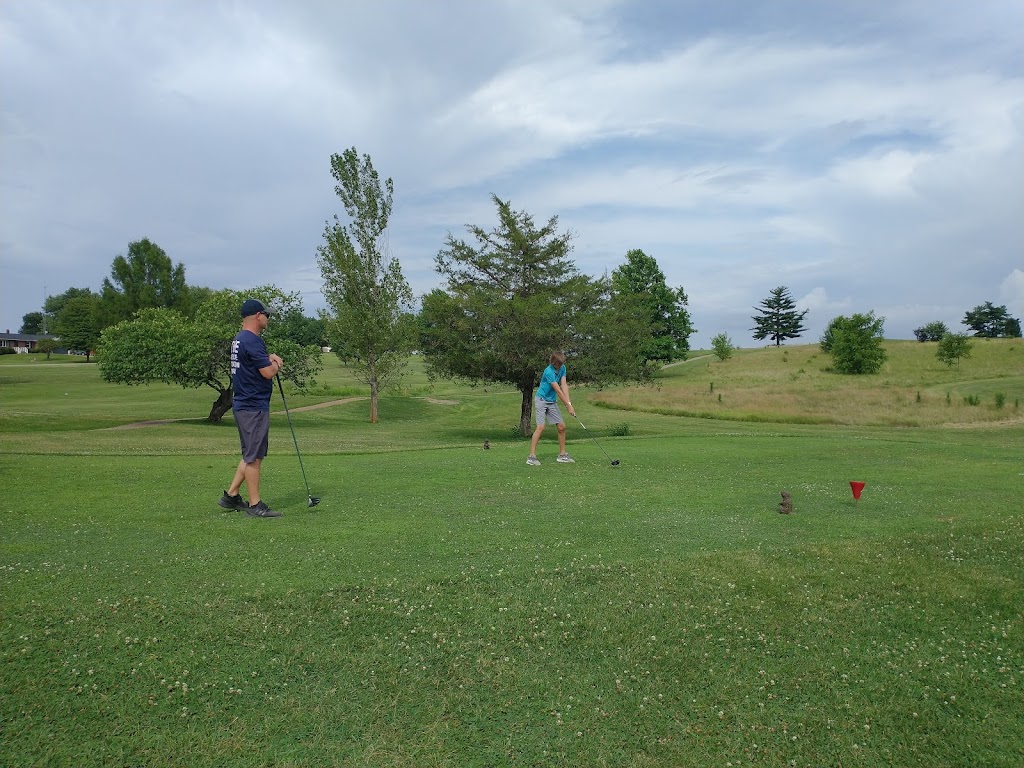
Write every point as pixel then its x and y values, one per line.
pixel 7 351
pixel 1000 400
pixel 931 332
pixel 47 346
pixel 619 430
pixel 855 343
pixel 972 400
pixel 722 346
pixel 952 347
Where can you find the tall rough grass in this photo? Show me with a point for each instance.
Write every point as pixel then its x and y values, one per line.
pixel 794 385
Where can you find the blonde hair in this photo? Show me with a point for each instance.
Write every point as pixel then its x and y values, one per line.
pixel 557 359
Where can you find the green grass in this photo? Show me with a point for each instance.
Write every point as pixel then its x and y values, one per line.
pixel 447 606
pixel 795 385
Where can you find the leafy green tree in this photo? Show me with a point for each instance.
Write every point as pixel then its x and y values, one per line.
pixel 828 337
pixel 53 305
pixel 952 347
pixel 777 318
pixel 78 324
pixel 32 323
pixel 670 324
pixel 931 332
pixel 370 301
pixel 304 331
pixel 855 343
pixel 512 297
pixel 990 321
pixel 195 297
pixel 46 345
pixel 143 279
pixel 162 345
pixel 722 346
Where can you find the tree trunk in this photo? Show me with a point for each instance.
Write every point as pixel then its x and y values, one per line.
pixel 374 388
pixel 221 405
pixel 527 410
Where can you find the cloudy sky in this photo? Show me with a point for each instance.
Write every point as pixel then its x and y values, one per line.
pixel 869 155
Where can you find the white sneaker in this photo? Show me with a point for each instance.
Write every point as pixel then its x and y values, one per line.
pixel 565 458
pixel 533 461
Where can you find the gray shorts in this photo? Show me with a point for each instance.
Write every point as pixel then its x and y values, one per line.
pixel 547 413
pixel 253 433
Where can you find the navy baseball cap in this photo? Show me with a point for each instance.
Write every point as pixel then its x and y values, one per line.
pixel 253 307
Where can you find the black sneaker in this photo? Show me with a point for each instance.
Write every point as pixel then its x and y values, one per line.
pixel 260 509
pixel 232 503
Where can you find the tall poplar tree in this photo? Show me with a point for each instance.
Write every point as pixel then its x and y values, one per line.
pixel 370 302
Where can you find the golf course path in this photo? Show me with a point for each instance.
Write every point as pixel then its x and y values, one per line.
pixel 328 404
pixel 688 360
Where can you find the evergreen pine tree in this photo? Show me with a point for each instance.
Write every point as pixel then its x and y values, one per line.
pixel 778 319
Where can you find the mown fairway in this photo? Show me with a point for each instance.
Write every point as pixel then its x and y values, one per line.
pixel 447 605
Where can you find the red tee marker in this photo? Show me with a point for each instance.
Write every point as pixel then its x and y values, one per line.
pixel 856 487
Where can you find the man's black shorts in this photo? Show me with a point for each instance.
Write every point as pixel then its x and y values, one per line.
pixel 253 433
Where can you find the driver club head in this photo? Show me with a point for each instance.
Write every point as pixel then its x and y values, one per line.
pixel 615 462
pixel 313 501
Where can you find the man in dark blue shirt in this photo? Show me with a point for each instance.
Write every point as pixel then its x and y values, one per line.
pixel 252 378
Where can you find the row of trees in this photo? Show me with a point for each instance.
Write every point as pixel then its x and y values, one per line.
pixel 144 278
pixel 162 344
pixel 986 320
pixel 779 320
pixel 511 294
pixel 151 326
pixel 855 342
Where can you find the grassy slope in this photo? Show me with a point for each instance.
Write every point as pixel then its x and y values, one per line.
pixel 444 607
pixel 793 384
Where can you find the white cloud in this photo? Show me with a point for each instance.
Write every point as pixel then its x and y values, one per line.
pixel 1011 293
pixel 867 158
pixel 886 175
pixel 818 302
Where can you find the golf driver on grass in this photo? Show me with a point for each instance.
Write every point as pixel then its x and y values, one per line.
pixel 615 462
pixel 313 500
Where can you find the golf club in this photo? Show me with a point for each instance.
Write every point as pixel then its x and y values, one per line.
pixel 615 462
pixel 313 500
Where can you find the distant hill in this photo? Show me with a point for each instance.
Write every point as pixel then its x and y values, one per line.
pixel 794 384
